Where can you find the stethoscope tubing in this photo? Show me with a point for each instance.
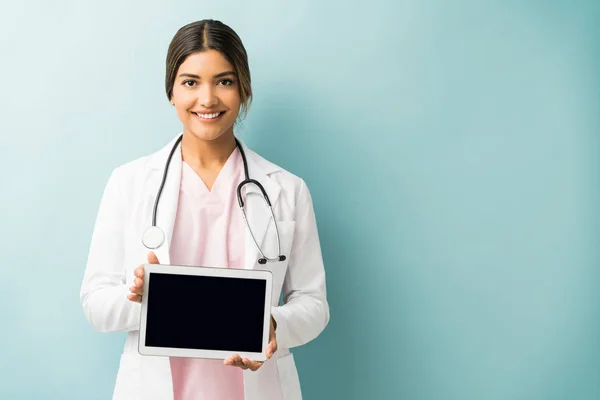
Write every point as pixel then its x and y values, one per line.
pixel 264 259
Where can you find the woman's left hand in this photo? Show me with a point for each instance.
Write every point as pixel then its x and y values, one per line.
pixel 244 363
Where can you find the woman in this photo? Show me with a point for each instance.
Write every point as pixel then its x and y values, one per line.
pixel 208 84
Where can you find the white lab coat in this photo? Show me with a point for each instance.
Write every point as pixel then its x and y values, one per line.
pixel 116 250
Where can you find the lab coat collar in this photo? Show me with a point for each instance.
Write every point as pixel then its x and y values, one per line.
pixel 255 161
pixel 257 213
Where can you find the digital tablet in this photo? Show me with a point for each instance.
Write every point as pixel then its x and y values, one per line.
pixel 205 312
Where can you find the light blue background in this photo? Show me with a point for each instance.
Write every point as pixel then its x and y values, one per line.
pixel 452 153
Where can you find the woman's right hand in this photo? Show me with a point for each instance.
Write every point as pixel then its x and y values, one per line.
pixel 138 282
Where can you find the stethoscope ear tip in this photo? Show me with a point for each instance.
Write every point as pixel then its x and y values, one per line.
pixel 281 258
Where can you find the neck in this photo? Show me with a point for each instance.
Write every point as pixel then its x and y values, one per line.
pixel 207 154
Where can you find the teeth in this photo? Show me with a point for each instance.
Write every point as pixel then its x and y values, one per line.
pixel 208 116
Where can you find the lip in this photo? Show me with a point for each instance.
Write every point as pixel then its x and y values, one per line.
pixel 207 111
pixel 206 120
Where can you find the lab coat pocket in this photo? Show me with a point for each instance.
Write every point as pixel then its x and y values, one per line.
pixel 288 378
pixel 127 385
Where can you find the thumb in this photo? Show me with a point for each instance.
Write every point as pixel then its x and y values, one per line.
pixel 152 259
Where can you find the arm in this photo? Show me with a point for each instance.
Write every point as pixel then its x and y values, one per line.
pixel 305 312
pixel 104 290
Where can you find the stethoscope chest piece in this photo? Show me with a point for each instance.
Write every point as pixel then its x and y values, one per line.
pixel 153 238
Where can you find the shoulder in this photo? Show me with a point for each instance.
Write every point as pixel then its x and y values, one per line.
pixel 126 178
pixel 131 169
pixel 295 197
pixel 136 169
pixel 288 181
pixel 132 177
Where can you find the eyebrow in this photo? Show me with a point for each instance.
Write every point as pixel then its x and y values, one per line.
pixel 222 74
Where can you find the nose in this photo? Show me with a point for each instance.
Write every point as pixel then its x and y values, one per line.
pixel 206 96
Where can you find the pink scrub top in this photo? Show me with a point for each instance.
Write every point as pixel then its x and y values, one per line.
pixel 209 231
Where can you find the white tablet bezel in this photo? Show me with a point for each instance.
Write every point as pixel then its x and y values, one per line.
pixel 205 271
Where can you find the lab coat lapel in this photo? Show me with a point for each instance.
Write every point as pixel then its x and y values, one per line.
pixel 257 211
pixel 169 199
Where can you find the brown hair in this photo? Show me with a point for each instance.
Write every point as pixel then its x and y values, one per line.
pixel 205 35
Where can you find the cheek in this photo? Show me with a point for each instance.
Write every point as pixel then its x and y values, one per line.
pixel 182 114
pixel 233 103
pixel 182 106
pixel 183 99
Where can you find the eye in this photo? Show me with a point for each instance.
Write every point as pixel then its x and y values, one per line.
pixel 188 83
pixel 226 82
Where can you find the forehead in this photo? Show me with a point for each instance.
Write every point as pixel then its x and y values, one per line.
pixel 206 63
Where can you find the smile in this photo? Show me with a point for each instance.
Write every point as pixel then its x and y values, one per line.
pixel 209 116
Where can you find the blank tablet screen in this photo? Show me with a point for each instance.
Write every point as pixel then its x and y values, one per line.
pixel 205 312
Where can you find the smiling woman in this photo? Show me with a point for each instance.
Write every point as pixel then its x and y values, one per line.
pixel 200 174
pixel 208 82
pixel 208 78
pixel 207 99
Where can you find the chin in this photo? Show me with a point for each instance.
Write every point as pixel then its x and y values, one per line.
pixel 208 135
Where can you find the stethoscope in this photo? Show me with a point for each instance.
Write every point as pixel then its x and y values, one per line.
pixel 154 237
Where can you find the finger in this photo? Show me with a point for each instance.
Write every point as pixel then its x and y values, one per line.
pixel 230 361
pixel 136 289
pixel 252 365
pixel 233 360
pixel 271 348
pixel 139 271
pixel 135 298
pixel 152 259
pixel 238 362
pixel 138 282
